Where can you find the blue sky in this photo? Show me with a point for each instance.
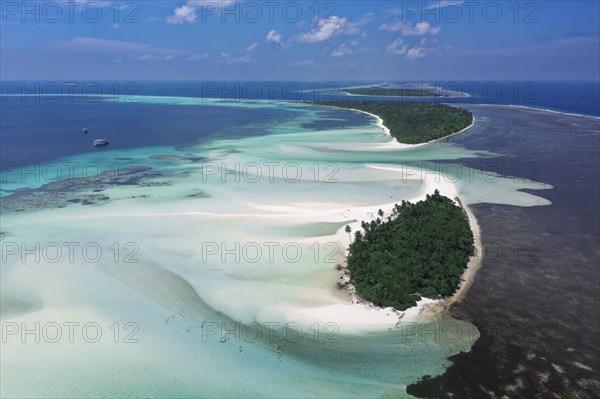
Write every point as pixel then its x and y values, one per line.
pixel 276 40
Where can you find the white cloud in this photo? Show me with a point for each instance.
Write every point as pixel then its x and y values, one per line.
pixel 417 52
pixel 182 15
pixel 230 59
pixel 423 41
pixel 341 50
pixel 344 49
pixel 245 58
pixel 397 47
pixel 198 57
pixel 274 37
pixel 421 29
pixel 325 29
pixel 187 14
pixel 252 46
pixel 392 26
pixel 407 29
pixel 444 4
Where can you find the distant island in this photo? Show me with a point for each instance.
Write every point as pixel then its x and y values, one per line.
pixel 412 122
pixel 421 250
pixel 383 91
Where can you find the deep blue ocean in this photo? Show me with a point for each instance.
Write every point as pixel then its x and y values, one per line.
pixel 42 121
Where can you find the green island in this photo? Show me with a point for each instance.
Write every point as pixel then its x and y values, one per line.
pixel 421 250
pixel 382 91
pixel 413 122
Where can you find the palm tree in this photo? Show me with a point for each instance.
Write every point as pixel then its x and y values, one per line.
pixel 348 230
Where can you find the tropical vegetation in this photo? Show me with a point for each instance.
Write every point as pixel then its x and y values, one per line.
pixel 413 122
pixel 421 250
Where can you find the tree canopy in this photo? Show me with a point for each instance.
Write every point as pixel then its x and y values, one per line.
pixel 413 122
pixel 421 250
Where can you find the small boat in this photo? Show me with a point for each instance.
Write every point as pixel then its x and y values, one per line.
pixel 85 130
pixel 100 142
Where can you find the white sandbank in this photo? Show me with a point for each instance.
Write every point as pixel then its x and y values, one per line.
pixel 363 315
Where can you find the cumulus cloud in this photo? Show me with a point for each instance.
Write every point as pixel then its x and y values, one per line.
pixel 344 49
pixel 408 29
pixel 183 15
pixel 325 29
pixel 417 52
pixel 187 14
pixel 397 47
pixel 274 37
pixel 330 27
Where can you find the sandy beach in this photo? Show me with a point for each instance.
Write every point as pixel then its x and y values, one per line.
pixel 426 309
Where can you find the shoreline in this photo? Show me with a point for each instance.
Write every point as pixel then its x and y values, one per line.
pixel 426 309
pixel 437 309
